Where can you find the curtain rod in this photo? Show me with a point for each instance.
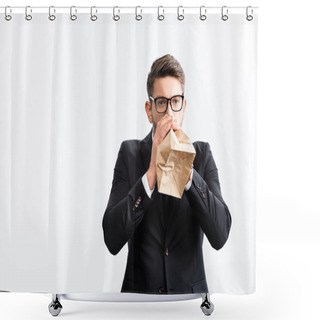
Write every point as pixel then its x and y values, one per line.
pixel 127 7
pixel 138 11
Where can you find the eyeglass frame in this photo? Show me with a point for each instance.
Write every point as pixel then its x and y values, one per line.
pixel 168 99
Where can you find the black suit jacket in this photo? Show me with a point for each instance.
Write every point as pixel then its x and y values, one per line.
pixel 164 234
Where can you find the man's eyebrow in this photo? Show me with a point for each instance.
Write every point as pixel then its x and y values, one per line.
pixel 168 98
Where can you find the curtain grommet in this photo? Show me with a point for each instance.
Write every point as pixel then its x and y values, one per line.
pixel 52 17
pixel 180 15
pixel 160 16
pixel 224 13
pixel 93 17
pixel 203 15
pixel 249 17
pixel 116 17
pixel 28 16
pixel 7 16
pixel 73 17
pixel 138 16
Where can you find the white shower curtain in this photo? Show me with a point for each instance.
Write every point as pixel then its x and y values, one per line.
pixel 70 93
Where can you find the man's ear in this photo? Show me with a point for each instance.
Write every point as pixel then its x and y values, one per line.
pixel 147 107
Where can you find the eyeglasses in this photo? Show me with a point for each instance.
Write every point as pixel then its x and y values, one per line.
pixel 161 103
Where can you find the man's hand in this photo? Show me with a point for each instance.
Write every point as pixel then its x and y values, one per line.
pixel 163 127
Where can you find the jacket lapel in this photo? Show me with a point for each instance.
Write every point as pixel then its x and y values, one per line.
pixel 145 149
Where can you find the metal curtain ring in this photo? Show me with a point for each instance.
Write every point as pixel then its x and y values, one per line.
pixel 73 17
pixel 116 17
pixel 160 16
pixel 224 13
pixel 138 16
pixel 249 16
pixel 180 16
pixel 93 17
pixel 7 16
pixel 28 16
pixel 203 16
pixel 52 16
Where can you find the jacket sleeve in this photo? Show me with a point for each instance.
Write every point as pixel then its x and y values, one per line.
pixel 125 208
pixel 207 204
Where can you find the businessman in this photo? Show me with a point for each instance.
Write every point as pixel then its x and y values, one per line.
pixel 164 233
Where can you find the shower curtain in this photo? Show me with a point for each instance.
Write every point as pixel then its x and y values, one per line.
pixel 72 89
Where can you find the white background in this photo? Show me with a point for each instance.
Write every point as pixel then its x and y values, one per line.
pixel 288 179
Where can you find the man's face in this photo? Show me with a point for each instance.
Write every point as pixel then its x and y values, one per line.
pixel 165 87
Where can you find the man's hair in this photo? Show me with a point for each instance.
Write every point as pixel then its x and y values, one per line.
pixel 166 65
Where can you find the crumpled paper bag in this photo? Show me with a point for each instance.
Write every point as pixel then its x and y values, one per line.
pixel 175 157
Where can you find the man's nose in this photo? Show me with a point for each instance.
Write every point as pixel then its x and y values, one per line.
pixel 169 109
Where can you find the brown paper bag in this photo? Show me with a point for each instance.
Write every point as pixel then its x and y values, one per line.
pixel 175 157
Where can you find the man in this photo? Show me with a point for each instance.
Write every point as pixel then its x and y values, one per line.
pixel 164 233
